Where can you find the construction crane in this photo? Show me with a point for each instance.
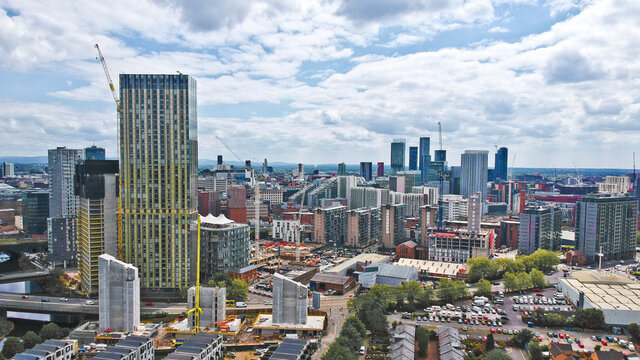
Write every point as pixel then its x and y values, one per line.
pixel 256 193
pixel 497 143
pixel 196 309
pixel 509 182
pixel 300 227
pixel 441 176
pixel 117 101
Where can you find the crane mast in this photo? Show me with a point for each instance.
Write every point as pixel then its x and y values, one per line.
pixel 299 229
pixel 117 101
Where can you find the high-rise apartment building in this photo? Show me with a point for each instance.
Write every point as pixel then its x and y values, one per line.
pixel 342 169
pixel 606 224
pixel 394 222
pixel 94 153
pixel 286 230
pixel 540 228
pixel 365 170
pixel 474 173
pixel 330 225
pixel 363 227
pixel 368 197
pixel 441 155
pixel 63 204
pixel 428 220
pixel 425 157
pixel 500 172
pixel 474 212
pixel 159 172
pixel 380 171
pixel 35 211
pixel 397 155
pixel 97 189
pixel 224 244
pixel 413 158
pixel 119 295
pixel 615 185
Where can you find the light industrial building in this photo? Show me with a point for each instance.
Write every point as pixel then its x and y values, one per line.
pixel 224 244
pixel 540 228
pixel 159 174
pixel 119 295
pixel 212 301
pixel 435 269
pixel 386 274
pixel 359 260
pixel 96 187
pixel 63 203
pixel 606 224
pixel 473 178
pixel 617 296
pixel 394 222
pixel 289 301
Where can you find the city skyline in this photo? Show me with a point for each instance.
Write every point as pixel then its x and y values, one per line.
pixel 338 81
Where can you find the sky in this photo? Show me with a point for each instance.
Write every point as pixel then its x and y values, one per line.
pixel 328 81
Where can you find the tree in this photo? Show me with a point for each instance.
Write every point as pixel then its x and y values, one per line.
pixel 589 319
pixel 523 281
pixel 422 337
pixel 634 331
pixel 544 260
pixel 384 294
pixel 357 324
pixel 50 331
pixel 510 282
pixel 490 344
pixel 535 353
pixel 220 277
pixel 12 346
pixel 238 290
pixel 597 347
pixel 370 311
pixel 337 351
pixel 451 290
pixel 5 326
pixel 481 268
pixel 483 288
pixel 425 297
pixel 497 354
pixel 537 279
pixel 30 339
pixel 352 335
pixel 411 289
pixel 523 337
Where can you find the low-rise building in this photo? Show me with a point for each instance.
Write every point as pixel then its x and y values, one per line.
pixel 386 274
pixel 202 346
pixel 404 342
pixel 359 260
pixel 248 274
pixel 50 350
pixel 406 250
pixel 337 283
pixel 450 342
pixel 458 245
pixel 292 349
pixel 428 269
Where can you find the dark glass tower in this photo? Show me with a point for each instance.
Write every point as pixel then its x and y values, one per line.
pixel 413 158
pixel 398 148
pixel 500 172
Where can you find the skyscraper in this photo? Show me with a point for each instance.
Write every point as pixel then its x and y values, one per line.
pixel 540 228
pixel 413 158
pixel 96 186
pixel 342 169
pixel 474 173
pixel 425 157
pixel 94 153
pixel 501 164
pixel 606 224
pixel 441 155
pixel 8 169
pixel 397 155
pixel 159 172
pixel 63 204
pixel 380 171
pixel 365 170
pixel 35 211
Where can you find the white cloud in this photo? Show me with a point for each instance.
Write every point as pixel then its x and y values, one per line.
pixel 498 29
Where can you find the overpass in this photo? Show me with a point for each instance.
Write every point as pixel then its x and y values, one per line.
pixel 53 305
pixel 24 276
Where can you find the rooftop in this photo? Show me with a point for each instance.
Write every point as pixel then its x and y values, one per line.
pixel 606 291
pixel 358 260
pixel 265 321
pixel 434 267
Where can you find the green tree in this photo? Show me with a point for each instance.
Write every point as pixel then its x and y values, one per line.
pixel 537 279
pixel 544 260
pixel 383 294
pixel 483 288
pixel 451 290
pixel 523 337
pixel 535 353
pixel 356 324
pixel 238 290
pixel 5 326
pixel 523 281
pixel 634 332
pixel 510 282
pixel 497 354
pixel 411 289
pixel 490 344
pixel 30 339
pixel 352 335
pixel 218 278
pixel 589 319
pixel 12 346
pixel 481 268
pixel 425 297
pixel 50 331
pixel 338 351
pixel 597 347
pixel 1 356
pixel 370 311
pixel 422 337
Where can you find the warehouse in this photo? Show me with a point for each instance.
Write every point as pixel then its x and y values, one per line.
pixel 429 269
pixel 327 282
pixel 617 296
pixel 360 260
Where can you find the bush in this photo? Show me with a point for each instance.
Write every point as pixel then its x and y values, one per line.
pixel 12 346
pixel 422 337
pixel 50 331
pixel 30 339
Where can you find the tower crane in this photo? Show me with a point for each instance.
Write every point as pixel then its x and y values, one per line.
pixel 117 101
pixel 256 192
pixel 300 227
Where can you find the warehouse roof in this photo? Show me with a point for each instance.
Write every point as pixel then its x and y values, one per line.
pixel 341 268
pixel 605 290
pixel 434 267
pixel 330 279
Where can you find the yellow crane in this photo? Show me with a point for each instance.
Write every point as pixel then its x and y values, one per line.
pixel 117 101
pixel 196 309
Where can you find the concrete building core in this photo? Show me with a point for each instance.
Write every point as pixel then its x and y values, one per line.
pixel 289 301
pixel 212 302
pixel 119 294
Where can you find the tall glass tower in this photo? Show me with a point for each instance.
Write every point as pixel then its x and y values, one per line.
pixel 398 147
pixel 425 158
pixel 413 158
pixel 501 164
pixel 159 172
pixel 474 173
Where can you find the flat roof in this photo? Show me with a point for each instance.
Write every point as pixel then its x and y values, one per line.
pixel 605 291
pixel 359 259
pixel 434 267
pixel 330 279
pixel 265 321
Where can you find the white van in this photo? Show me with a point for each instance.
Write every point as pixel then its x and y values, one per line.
pixel 240 304
pixel 478 302
pixel 362 350
pixel 476 309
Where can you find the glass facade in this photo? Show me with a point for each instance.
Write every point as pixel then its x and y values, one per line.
pixel 413 158
pixel 158 172
pixel 501 164
pixel 397 155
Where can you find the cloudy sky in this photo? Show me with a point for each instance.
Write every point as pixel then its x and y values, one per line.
pixel 327 81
